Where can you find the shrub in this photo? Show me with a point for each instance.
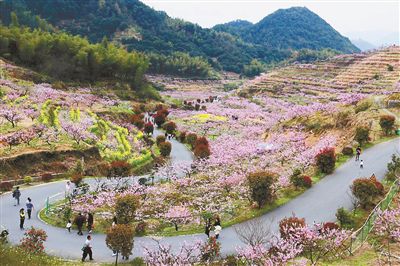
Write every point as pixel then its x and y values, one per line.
pixel 6 186
pixel 387 123
pixel 137 120
pixel 120 239
pixel 362 106
pixel 289 223
pixel 307 182
pixel 365 190
pixel 392 168
pixel 343 118
pixel 119 168
pixel 197 107
pixel 182 136
pixel 140 228
pixel 28 179
pixel 165 148
pixel 330 226
pixel 138 261
pixel 163 112
pixel 202 151
pixel 345 218
pixel 159 119
pixel 191 139
pixel 295 178
pixel 160 139
pixel 46 177
pixel 390 68
pixel 210 250
pixel 325 160
pixel 261 187
pixel 377 184
pixel 33 240
pixel 125 208
pixel 348 151
pixel 201 141
pixel 148 128
pixel 169 127
pixel 76 179
pixel 362 135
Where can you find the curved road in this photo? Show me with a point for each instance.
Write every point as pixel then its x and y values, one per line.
pixel 317 204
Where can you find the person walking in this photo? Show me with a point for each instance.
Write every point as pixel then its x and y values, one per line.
pixel 87 249
pixel 208 228
pixel 29 207
pixel 21 218
pixel 79 221
pixel 358 153
pixel 361 164
pixel 90 221
pixel 68 189
pixel 217 231
pixel 69 225
pixel 16 195
pixel 114 223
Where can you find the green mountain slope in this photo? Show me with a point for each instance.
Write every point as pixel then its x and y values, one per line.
pixel 139 27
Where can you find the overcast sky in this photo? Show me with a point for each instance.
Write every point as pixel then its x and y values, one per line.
pixel 374 21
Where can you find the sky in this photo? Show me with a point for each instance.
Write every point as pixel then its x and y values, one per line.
pixel 375 21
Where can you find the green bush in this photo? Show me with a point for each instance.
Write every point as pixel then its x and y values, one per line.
pixel 261 187
pixel 160 139
pixel 345 218
pixel 365 190
pixel 362 106
pixel 387 123
pixel 191 139
pixel 390 68
pixel 28 179
pixel 125 208
pixel 362 135
pixel 348 151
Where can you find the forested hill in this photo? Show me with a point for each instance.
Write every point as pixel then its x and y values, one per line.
pixel 292 28
pixel 139 27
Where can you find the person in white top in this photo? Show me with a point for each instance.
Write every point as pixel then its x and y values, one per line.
pixel 68 189
pixel 87 249
pixel 217 230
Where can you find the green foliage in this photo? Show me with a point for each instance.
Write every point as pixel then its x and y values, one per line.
pixel 125 208
pixel 345 218
pixel 299 180
pixel 28 179
pixel 390 68
pixel 387 123
pixel 261 187
pixel 365 190
pixel 253 69
pixel 308 55
pixel 71 57
pixel 49 114
pixel 75 114
pixel 348 151
pixel 362 135
pixel 362 106
pixel 393 168
pixel 120 239
pixel 191 139
pixel 326 160
pixel 100 128
pixel 180 64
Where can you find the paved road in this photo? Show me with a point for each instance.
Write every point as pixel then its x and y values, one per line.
pixel 317 204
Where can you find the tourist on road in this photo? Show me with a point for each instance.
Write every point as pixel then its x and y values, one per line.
pixel 79 221
pixel 217 220
pixel 87 249
pixel 16 195
pixel 361 164
pixel 29 207
pixel 217 231
pixel 68 189
pixel 358 153
pixel 90 221
pixel 69 225
pixel 208 228
pixel 114 223
pixel 21 218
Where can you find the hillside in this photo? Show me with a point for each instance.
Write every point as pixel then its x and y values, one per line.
pixel 292 28
pixel 140 27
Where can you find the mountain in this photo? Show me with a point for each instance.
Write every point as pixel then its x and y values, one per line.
pixel 363 44
pixel 293 28
pixel 139 27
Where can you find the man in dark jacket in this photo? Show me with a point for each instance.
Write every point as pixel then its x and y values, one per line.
pixel 90 222
pixel 16 195
pixel 79 221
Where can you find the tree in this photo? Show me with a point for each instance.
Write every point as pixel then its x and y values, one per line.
pixel 148 128
pixel 362 135
pixel 289 224
pixel 169 127
pixel 33 240
pixel 326 159
pixel 125 208
pixel 120 240
pixel 254 232
pixel 165 148
pixel 344 217
pixel 253 69
pixel 11 114
pixel 261 187
pixel 365 190
pixel 178 215
pixel 387 123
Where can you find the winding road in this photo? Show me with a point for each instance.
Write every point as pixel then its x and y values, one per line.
pixel 317 204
